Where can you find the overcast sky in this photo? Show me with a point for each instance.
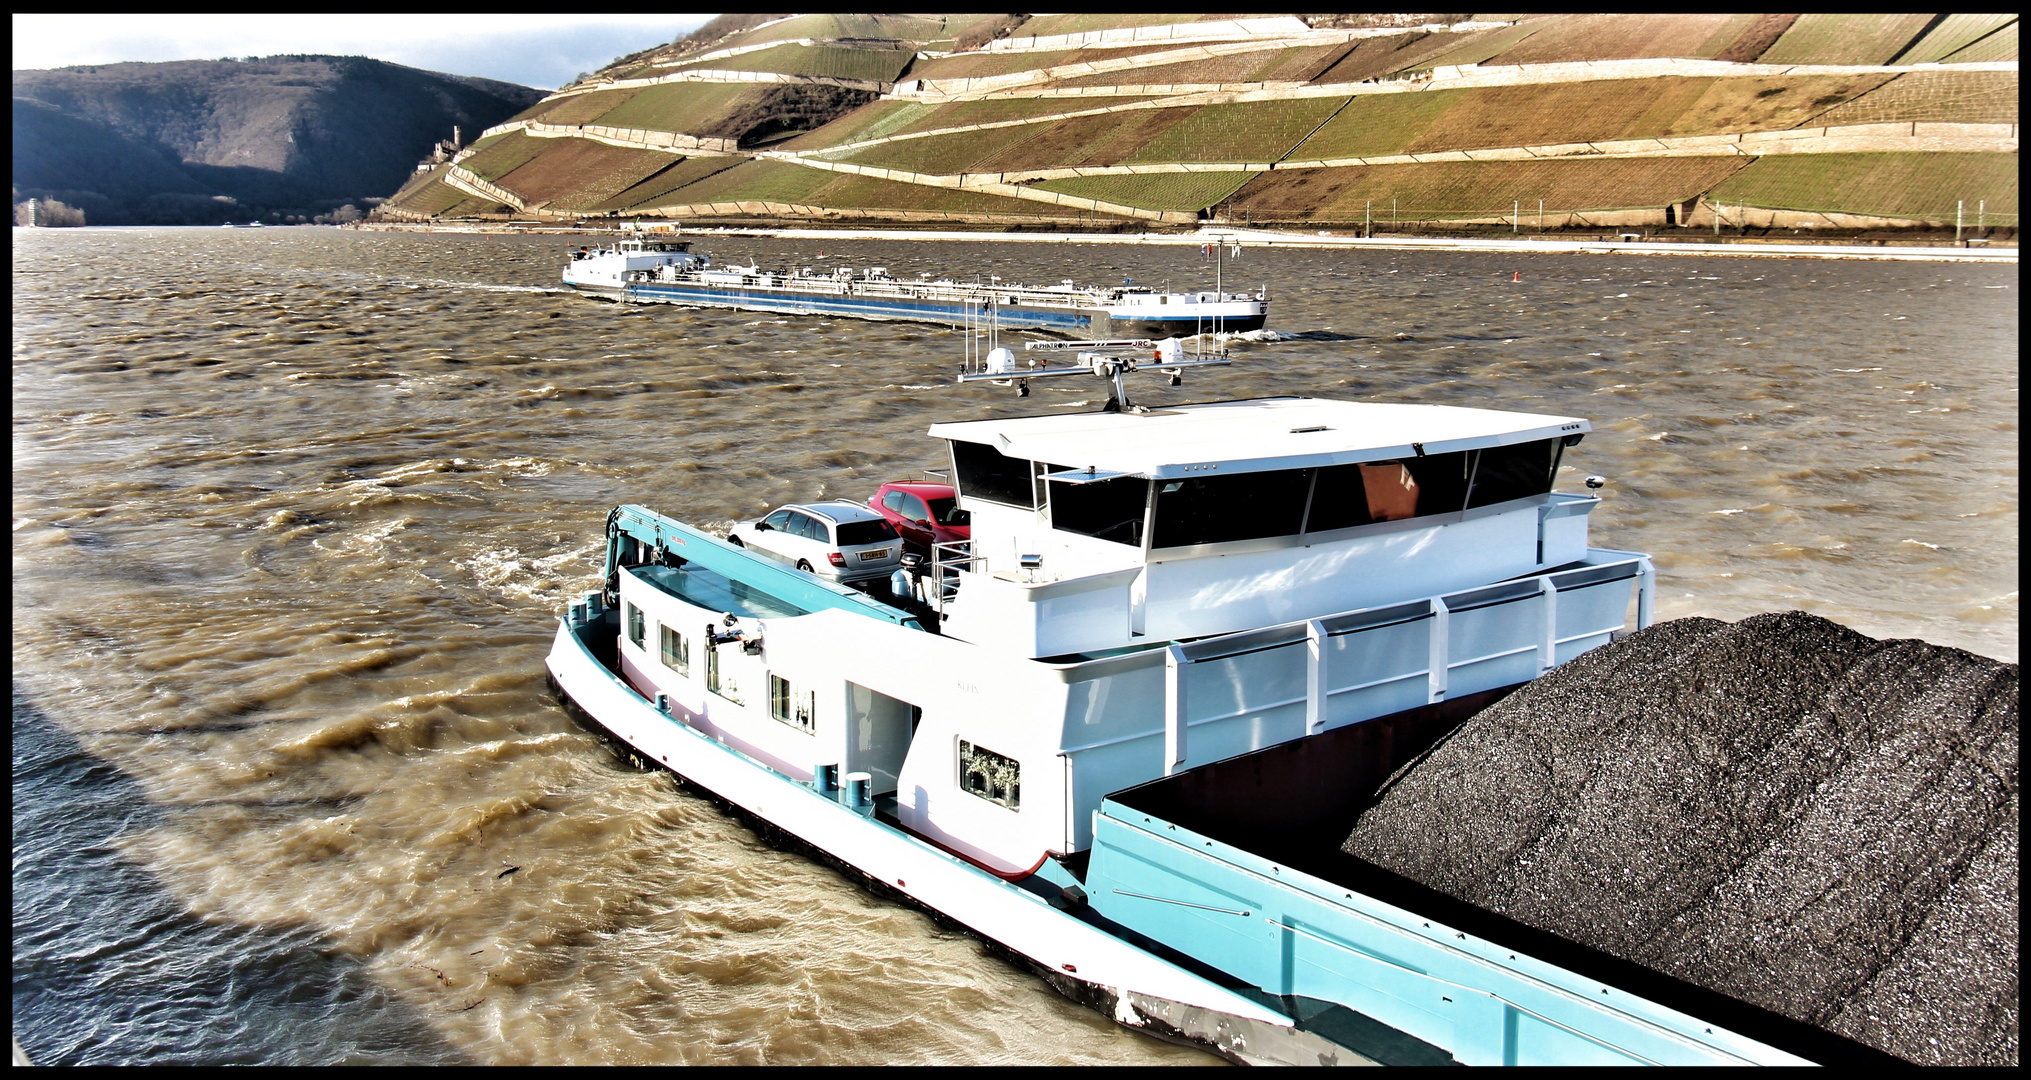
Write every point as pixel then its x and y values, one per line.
pixel 544 51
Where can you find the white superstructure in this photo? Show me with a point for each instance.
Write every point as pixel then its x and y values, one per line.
pixel 1145 591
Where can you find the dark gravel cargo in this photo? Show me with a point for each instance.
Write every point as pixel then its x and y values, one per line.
pixel 1782 810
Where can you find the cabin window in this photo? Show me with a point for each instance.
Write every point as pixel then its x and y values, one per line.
pixel 1514 472
pixel 635 624
pixel 676 651
pixel 1235 506
pixel 984 473
pixel 1339 499
pixel 786 704
pixel 989 775
pixel 721 683
pixel 1105 509
pixel 1441 481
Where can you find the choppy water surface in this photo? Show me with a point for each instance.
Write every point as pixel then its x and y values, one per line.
pixel 294 511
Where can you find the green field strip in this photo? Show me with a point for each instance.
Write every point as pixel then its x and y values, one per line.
pixel 663 188
pixel 1243 132
pixel 1006 110
pixel 1102 139
pixel 433 198
pixel 582 108
pixel 1845 39
pixel 942 155
pixel 1301 65
pixel 474 206
pixel 1920 185
pixel 1477 47
pixel 873 120
pixel 1376 125
pixel 1154 191
pixel 873 65
pixel 1053 25
pixel 502 154
pixel 1998 47
pixel 1954 33
pixel 1953 97
pixel 694 108
pixel 988 65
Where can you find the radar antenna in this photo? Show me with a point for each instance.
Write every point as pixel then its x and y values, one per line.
pixel 1108 359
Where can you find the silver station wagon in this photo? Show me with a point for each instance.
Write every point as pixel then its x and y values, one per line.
pixel 839 541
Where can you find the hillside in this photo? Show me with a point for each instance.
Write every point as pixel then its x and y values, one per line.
pixel 1521 122
pixel 204 141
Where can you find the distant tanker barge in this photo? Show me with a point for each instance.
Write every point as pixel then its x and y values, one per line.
pixel 657 271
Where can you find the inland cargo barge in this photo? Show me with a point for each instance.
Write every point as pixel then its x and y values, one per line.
pixel 1117 730
pixel 644 270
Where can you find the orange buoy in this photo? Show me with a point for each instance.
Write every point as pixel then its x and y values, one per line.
pixel 1516 276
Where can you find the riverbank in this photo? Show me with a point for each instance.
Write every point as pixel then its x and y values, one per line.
pixel 1616 243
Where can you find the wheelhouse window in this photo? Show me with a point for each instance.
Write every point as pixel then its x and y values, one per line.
pixel 1218 509
pixel 1109 509
pixel 1236 506
pixel 676 650
pixel 799 710
pixel 984 473
pixel 1514 472
pixel 635 624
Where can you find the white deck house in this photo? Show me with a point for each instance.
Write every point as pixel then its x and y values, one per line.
pixel 1146 592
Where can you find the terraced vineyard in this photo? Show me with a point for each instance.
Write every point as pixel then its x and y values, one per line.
pixel 580 174
pixel 502 154
pixel 1846 39
pixel 1916 185
pixel 1379 126
pixel 1105 139
pixel 1961 97
pixel 943 156
pixel 1155 191
pixel 931 125
pixel 658 189
pixel 578 108
pixel 1954 33
pixel 1246 132
pixel 1446 190
pixel 877 65
pixel 774 181
pixel 2001 45
pixel 692 108
pixel 1612 37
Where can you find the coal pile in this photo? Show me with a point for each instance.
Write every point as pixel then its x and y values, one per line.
pixel 1780 809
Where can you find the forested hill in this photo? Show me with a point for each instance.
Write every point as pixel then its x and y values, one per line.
pixel 201 141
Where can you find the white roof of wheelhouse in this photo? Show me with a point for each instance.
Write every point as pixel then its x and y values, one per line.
pixel 1253 436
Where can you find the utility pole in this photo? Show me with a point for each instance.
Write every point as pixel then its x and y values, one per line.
pixel 1368 219
pixel 1982 217
pixel 1960 209
pixel 1540 215
pixel 1515 213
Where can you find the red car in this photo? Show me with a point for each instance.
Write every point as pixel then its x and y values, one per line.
pixel 924 511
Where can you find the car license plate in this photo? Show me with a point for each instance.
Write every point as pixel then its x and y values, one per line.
pixel 870 556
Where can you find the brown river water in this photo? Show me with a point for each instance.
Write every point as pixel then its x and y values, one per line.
pixel 295 510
